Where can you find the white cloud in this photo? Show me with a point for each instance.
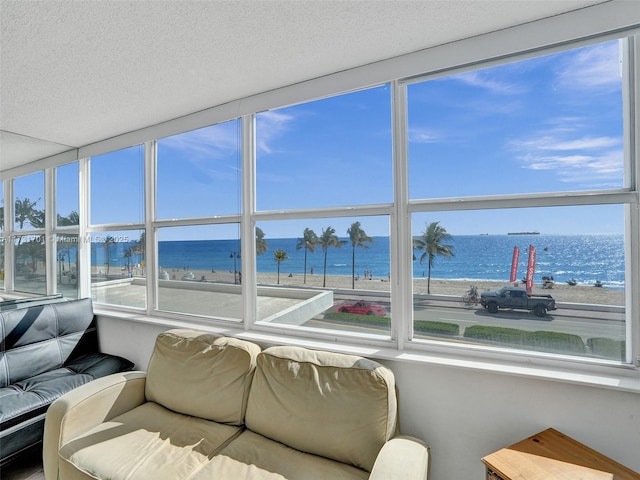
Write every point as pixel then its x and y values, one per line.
pixel 423 135
pixel 589 161
pixel 270 125
pixel 549 142
pixel 483 80
pixel 206 143
pixel 592 68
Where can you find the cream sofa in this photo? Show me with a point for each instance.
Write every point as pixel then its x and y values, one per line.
pixel 220 408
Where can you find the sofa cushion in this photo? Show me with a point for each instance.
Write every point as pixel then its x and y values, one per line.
pixel 338 406
pixel 32 396
pixel 254 457
pixel 148 442
pixel 200 374
pixel 36 339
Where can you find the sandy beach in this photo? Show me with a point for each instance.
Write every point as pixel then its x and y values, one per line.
pixel 562 292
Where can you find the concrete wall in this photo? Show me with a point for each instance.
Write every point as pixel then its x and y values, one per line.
pixel 464 414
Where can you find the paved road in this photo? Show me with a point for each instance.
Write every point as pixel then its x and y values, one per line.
pixel 586 323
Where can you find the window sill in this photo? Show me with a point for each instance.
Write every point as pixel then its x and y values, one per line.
pixel 616 377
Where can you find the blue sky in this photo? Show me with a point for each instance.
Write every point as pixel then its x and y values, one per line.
pixel 547 124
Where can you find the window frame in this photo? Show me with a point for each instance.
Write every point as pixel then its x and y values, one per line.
pixel 487 52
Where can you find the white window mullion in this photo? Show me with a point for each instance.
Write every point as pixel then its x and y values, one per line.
pixel 84 242
pixel 247 224
pixel 9 245
pixel 51 253
pixel 631 115
pixel 400 234
pixel 150 248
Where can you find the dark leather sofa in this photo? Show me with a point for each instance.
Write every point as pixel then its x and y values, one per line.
pixel 46 350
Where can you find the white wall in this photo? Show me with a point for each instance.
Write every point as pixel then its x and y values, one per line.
pixel 464 414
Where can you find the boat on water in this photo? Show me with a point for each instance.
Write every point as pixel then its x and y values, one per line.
pixel 523 233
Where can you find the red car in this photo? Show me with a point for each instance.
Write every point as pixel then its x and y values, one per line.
pixel 362 308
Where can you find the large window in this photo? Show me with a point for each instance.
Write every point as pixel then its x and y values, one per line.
pixel 29 247
pixel 328 153
pixel 485 208
pixel 577 263
pixel 199 270
pixel 67 196
pixel 199 177
pixel 329 273
pixel 547 124
pixel 67 229
pixel 117 186
pixel 544 278
pixel 118 270
pixel 198 173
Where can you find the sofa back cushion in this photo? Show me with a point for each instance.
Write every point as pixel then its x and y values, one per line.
pixel 338 406
pixel 41 338
pixel 201 375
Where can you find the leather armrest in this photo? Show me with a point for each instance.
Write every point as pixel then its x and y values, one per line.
pixel 402 458
pixel 86 407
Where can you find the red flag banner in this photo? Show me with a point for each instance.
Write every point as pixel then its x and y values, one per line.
pixel 514 264
pixel 531 267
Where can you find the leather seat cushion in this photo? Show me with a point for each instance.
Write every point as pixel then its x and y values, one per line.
pixel 32 396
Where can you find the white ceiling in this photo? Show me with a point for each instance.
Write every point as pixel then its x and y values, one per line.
pixel 76 72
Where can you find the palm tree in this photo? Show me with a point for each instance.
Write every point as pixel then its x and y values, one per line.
pixel 139 248
pixel 128 253
pixel 261 243
pixel 25 211
pixel 106 244
pixel 72 219
pixel 431 242
pixel 358 238
pixel 308 241
pixel 326 240
pixel 279 256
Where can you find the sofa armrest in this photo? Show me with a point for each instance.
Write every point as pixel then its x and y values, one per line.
pixel 402 458
pixel 86 407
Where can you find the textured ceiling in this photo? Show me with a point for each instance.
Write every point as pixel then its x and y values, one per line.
pixel 73 73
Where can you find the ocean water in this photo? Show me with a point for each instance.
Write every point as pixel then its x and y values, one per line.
pixel 586 258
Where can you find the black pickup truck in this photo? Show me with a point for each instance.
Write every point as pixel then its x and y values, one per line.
pixel 517 298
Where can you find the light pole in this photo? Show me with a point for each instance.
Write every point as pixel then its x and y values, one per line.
pixel 235 255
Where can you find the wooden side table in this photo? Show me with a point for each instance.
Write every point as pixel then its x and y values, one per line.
pixel 550 455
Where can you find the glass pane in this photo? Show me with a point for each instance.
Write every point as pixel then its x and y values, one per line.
pixel 67 265
pixel 117 187
pixel 29 266
pixel 118 268
pixel 199 270
pixel 325 273
pixel 564 268
pixel 331 152
pixel 67 195
pixel 547 124
pixel 29 201
pixel 199 172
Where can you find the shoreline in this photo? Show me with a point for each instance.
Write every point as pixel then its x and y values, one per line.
pixel 561 292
